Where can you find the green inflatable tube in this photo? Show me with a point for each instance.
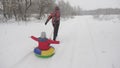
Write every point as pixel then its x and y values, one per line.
pixel 44 56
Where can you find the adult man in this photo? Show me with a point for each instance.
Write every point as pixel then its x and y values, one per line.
pixel 55 16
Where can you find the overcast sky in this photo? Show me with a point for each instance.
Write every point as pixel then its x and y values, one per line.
pixel 94 4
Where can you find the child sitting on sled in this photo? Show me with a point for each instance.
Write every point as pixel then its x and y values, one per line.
pixel 43 43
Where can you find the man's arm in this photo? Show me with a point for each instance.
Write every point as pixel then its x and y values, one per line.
pixel 49 17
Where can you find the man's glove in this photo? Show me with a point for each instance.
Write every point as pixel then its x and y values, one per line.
pixel 46 22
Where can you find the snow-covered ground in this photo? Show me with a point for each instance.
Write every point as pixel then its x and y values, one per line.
pixel 84 43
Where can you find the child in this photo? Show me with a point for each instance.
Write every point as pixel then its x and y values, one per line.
pixel 43 42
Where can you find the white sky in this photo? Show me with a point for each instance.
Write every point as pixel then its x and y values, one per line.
pixel 94 4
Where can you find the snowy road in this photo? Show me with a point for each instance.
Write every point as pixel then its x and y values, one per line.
pixel 85 43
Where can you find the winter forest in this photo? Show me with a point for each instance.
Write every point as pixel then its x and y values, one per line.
pixel 23 9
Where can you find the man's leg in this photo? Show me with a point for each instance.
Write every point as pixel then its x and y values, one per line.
pixel 56 27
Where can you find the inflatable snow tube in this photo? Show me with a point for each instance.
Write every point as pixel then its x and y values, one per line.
pixel 44 53
pixel 37 51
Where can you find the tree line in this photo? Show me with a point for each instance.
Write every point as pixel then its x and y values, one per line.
pixel 23 9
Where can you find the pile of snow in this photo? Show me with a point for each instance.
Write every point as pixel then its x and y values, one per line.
pixel 84 43
pixel 113 18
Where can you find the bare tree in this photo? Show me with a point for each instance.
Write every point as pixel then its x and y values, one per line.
pixel 20 12
pixel 6 8
pixel 27 6
pixel 20 9
pixel 44 7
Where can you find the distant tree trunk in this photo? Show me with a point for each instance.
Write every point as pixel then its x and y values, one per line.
pixel 20 12
pixel 41 8
pixel 4 8
pixel 15 14
pixel 41 12
pixel 27 6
